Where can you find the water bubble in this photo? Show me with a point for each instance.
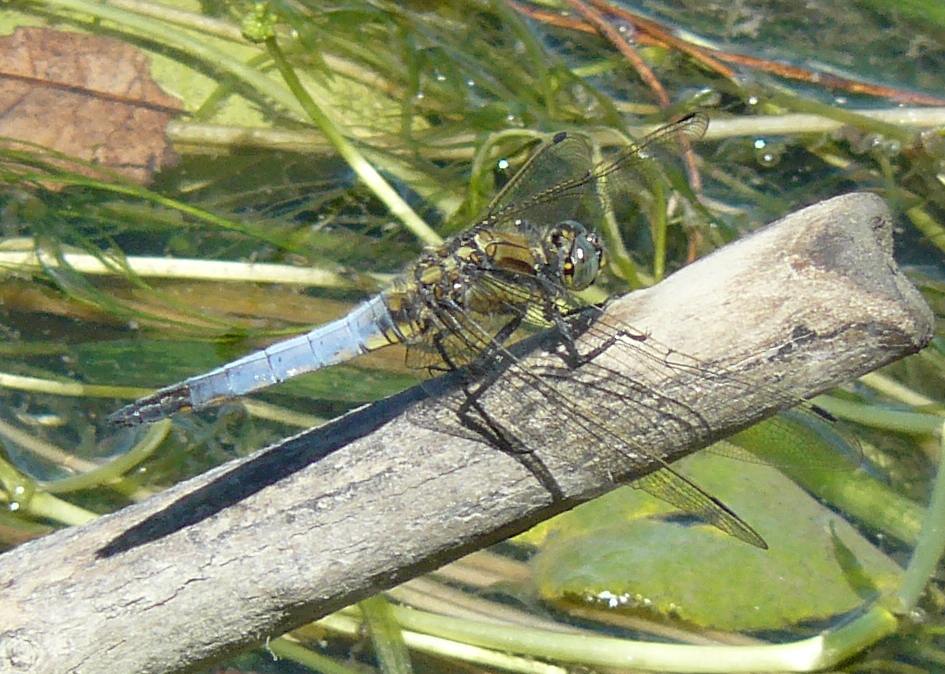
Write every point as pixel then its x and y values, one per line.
pixel 769 159
pixel 891 147
pixel 610 599
pixel 708 97
pixel 753 100
pixel 13 506
pixel 626 29
pixel 933 143
pixel 865 143
pixel 918 615
pixel 502 164
pixel 767 154
pixel 876 143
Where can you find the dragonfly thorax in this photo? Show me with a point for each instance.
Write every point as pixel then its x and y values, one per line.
pixel 574 255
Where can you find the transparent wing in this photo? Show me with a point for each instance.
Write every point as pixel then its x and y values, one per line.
pixel 558 179
pixel 548 188
pixel 457 336
pixel 545 410
pixel 678 490
pixel 541 409
pixel 550 407
pixel 795 432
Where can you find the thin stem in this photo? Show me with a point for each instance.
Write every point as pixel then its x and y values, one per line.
pixel 72 389
pixel 112 472
pixel 397 206
pixel 913 423
pixel 895 390
pixel 928 551
pixel 805 655
pixel 658 228
pixel 47 506
pixel 345 623
pixel 183 268
pixel 289 649
pixel 386 635
pixel 933 230
pixel 620 42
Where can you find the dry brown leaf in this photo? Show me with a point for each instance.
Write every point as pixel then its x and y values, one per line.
pixel 87 97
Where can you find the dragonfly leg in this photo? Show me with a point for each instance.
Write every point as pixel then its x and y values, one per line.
pixel 483 425
pixel 490 430
pixel 496 344
pixel 566 332
pixel 572 357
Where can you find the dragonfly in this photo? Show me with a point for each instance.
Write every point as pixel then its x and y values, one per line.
pixel 460 305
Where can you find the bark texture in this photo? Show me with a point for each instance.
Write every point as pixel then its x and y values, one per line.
pixel 263 544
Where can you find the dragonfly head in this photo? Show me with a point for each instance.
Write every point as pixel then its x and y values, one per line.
pixel 575 253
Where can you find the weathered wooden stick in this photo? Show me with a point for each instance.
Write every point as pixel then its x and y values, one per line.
pixel 263 544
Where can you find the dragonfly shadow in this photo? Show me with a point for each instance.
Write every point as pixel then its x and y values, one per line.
pixel 251 476
pixel 431 405
pixel 475 402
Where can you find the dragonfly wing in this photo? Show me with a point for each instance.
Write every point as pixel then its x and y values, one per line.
pixel 674 488
pixel 595 405
pixel 638 156
pixel 789 439
pixel 458 335
pixel 454 340
pixel 559 180
pixel 547 410
pixel 571 402
pixel 544 191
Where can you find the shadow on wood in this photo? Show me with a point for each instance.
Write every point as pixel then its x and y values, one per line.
pixel 263 544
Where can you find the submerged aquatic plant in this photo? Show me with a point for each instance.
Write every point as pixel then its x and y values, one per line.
pixel 308 160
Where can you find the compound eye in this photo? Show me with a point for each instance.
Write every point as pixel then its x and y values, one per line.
pixel 582 265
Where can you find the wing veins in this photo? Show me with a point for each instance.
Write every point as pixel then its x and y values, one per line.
pixel 678 490
pixel 691 126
